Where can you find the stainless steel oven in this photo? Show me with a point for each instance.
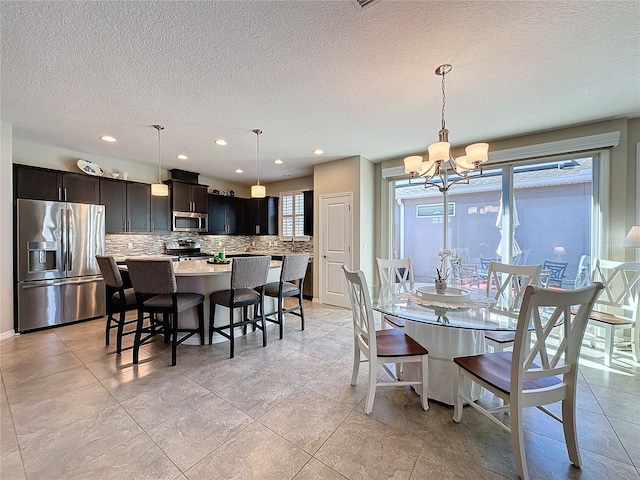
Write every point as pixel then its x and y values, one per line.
pixel 190 222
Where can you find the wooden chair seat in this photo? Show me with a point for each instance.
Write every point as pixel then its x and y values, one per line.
pixel 395 343
pixel 395 321
pixel 609 318
pixel 495 369
pixel 501 336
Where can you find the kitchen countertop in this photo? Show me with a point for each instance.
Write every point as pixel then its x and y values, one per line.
pixel 201 267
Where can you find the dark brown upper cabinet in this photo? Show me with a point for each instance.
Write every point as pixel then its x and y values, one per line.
pixel 45 184
pixel 188 197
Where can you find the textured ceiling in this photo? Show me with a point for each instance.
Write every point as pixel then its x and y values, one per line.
pixel 310 75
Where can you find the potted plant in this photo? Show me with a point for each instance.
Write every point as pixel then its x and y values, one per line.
pixel 443 272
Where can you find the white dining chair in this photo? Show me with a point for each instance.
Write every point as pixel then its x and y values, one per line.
pixel 506 284
pixel 534 374
pixel 619 304
pixel 381 347
pixel 390 272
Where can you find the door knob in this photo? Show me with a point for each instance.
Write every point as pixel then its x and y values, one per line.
pixel 324 256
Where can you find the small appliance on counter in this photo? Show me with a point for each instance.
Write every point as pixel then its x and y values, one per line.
pixel 186 250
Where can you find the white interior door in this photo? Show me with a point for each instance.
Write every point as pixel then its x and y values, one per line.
pixel 336 224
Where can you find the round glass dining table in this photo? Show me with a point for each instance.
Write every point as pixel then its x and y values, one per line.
pixel 448 326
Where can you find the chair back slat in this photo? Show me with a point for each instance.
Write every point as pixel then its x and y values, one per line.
pixel 249 272
pixel 395 271
pixel 541 310
pixel 363 322
pixel 507 283
pixel 294 267
pixel 152 276
pixel 621 286
pixel 109 270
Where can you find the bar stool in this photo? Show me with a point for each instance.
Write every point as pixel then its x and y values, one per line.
pixel 155 285
pixel 248 278
pixel 294 269
pixel 120 300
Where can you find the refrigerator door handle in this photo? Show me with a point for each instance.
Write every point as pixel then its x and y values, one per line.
pixel 63 239
pixel 32 285
pixel 69 234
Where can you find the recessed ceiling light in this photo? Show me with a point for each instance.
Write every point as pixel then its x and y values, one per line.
pixel 108 138
pixel 239 170
pixel 278 161
pixel 182 156
pixel 318 151
pixel 221 141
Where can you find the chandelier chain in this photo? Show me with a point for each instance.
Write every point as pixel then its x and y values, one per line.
pixel 443 100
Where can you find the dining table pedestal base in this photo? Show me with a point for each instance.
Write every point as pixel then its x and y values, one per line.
pixel 444 344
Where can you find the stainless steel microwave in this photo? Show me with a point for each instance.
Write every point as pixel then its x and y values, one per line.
pixel 190 222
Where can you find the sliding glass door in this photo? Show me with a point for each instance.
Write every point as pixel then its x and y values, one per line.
pixel 524 213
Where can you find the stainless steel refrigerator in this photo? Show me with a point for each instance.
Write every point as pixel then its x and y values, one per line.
pixel 58 277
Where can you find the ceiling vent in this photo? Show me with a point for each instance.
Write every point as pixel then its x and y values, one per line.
pixel 362 4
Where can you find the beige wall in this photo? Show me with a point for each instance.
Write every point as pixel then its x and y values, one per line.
pixel 6 232
pixel 356 175
pixel 623 201
pixel 367 218
pixel 303 183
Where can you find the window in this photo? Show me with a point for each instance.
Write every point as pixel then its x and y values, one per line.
pixel 548 205
pixel 292 215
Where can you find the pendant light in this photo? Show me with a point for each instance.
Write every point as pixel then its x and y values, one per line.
pixel 159 189
pixel 257 190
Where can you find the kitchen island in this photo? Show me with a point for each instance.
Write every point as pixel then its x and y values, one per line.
pixel 198 276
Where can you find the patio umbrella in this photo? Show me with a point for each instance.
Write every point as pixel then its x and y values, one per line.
pixel 515 248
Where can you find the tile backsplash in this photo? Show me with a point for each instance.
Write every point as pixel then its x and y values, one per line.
pixel 131 245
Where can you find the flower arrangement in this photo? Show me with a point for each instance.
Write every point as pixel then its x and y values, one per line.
pixel 442 273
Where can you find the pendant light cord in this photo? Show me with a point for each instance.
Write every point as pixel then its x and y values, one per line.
pixel 257 131
pixel 159 127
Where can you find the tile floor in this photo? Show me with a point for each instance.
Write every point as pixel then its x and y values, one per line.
pixel 71 408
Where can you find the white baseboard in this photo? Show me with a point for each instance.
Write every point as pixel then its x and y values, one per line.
pixel 9 334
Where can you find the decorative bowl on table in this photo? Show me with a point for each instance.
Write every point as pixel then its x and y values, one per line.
pixel 451 295
pixel 217 261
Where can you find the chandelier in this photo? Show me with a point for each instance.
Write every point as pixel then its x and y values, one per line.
pixel 440 160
